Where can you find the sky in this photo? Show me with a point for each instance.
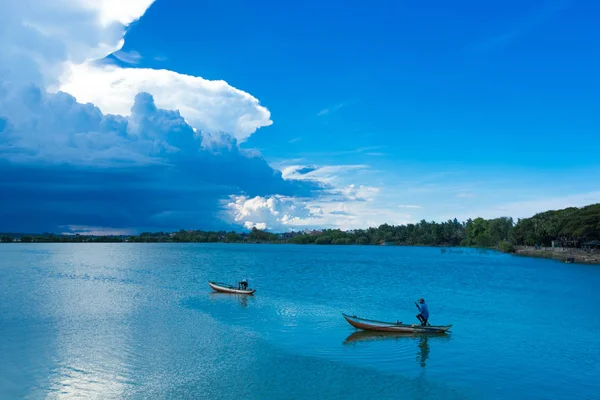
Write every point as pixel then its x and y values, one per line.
pixel 165 115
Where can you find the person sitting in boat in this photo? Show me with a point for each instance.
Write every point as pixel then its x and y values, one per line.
pixel 423 316
pixel 243 284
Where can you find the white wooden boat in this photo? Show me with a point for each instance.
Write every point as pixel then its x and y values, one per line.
pixel 226 288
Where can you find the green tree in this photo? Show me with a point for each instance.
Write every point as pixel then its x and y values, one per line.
pixel 304 239
pixel 362 240
pixel 213 238
pixel 506 247
pixel 232 237
pixel 323 240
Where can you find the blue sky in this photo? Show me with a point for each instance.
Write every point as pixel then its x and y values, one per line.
pixel 337 114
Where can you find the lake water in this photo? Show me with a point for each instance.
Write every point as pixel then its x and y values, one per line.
pixel 129 321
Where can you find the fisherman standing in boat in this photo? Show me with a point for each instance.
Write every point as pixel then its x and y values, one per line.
pixel 423 316
pixel 243 284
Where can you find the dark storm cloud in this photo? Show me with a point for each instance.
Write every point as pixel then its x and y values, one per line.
pixel 65 163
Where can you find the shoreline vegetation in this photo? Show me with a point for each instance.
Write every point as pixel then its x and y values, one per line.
pixel 570 235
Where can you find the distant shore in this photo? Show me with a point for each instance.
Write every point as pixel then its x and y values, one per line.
pixel 568 235
pixel 579 256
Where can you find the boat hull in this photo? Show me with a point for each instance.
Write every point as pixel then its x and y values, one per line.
pixel 224 288
pixel 380 326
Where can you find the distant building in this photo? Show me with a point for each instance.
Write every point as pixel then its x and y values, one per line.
pixel 565 243
pixel 592 245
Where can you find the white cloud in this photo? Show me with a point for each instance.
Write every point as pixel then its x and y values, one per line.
pixel 340 204
pixel 361 216
pixel 129 57
pixel 212 106
pixel 270 212
pixel 260 225
pixel 37 37
pixel 360 193
pixel 408 206
pixel 124 12
pixel 324 174
pixel 279 213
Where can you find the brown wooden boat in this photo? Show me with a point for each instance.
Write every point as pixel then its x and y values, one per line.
pixel 372 325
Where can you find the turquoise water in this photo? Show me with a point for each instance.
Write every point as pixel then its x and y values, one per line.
pixel 129 321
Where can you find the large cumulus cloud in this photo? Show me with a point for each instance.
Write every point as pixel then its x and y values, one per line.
pixel 57 45
pixel 122 159
pixel 92 146
pixel 66 163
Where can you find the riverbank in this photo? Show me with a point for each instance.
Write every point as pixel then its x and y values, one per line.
pixel 575 255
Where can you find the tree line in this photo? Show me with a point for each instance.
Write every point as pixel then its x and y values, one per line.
pixel 573 226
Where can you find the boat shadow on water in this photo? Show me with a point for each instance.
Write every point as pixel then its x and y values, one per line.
pixel 370 336
pixel 242 299
pixel 422 339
